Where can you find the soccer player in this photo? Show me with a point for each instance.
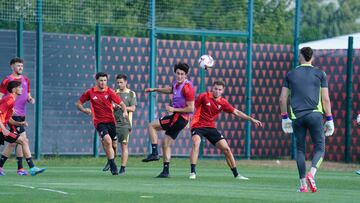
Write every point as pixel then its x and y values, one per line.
pixel 358 123
pixel 7 104
pixel 123 125
pixel 17 66
pixel 101 99
pixel 208 106
pixel 182 105
pixel 307 88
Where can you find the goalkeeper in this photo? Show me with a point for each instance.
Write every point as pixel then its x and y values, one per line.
pixel 307 88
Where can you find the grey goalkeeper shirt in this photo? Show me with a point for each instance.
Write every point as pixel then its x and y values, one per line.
pixel 305 83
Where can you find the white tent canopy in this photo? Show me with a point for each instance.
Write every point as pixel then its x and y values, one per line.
pixel 340 42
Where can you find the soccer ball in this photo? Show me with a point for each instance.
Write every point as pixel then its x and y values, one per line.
pixel 206 61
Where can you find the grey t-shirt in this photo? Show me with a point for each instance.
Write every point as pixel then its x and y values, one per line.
pixel 305 83
pixel 129 99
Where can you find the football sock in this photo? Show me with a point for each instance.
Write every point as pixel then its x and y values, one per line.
pixel 19 162
pixel 122 169
pixel 2 160
pixel 302 182
pixel 30 162
pixel 112 164
pixel 166 167
pixel 154 149
pixel 313 171
pixel 193 168
pixel 235 172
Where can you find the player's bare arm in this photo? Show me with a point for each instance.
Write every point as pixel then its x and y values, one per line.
pixel 30 99
pixel 242 115
pixel 283 99
pixel 4 131
pixel 188 109
pixel 326 100
pixel 131 108
pixel 123 107
pixel 164 90
pixel 81 108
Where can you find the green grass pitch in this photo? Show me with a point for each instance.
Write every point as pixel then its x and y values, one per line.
pixel 80 179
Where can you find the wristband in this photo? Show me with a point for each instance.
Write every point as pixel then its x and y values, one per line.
pixel 329 118
pixel 284 116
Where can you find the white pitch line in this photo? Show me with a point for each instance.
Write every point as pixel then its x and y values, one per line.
pixel 147 197
pixel 50 190
pixel 25 186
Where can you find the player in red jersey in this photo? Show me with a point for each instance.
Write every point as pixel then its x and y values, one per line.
pixel 358 124
pixel 101 99
pixel 17 66
pixel 208 106
pixel 7 104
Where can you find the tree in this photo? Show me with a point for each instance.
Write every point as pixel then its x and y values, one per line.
pixel 323 20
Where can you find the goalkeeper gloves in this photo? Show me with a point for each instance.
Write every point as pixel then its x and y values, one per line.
pixel 329 126
pixel 286 123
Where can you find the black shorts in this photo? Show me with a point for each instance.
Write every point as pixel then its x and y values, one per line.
pixel 107 128
pixel 11 138
pixel 173 124
pixel 211 134
pixel 15 128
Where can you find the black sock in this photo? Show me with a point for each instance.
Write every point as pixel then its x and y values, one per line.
pixel 235 172
pixel 112 164
pixel 166 167
pixel 122 168
pixel 193 168
pixel 2 160
pixel 19 162
pixel 30 162
pixel 154 149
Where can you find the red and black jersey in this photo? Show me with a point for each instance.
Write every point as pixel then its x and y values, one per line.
pixel 6 108
pixel 207 110
pixel 101 104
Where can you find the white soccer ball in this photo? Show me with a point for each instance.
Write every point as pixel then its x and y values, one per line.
pixel 206 61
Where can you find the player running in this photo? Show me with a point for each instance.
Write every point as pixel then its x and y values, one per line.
pixel 123 125
pixel 17 66
pixel 7 104
pixel 101 99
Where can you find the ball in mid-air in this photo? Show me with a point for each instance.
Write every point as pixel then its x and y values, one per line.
pixel 206 61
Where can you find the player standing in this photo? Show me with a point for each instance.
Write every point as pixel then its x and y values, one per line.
pixel 101 99
pixel 208 106
pixel 182 105
pixel 307 88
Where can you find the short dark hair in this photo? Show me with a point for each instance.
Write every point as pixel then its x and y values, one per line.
pixel 219 82
pixel 12 84
pixel 16 60
pixel 182 66
pixel 100 74
pixel 307 53
pixel 121 76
